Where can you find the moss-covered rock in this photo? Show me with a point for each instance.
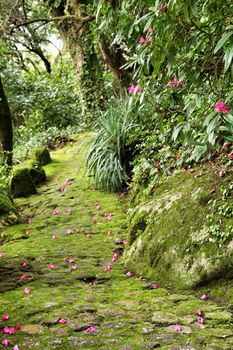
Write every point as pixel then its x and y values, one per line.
pixel 21 183
pixel 36 171
pixel 6 204
pixel 41 155
pixel 182 233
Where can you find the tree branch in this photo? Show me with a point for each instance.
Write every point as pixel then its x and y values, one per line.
pixel 82 20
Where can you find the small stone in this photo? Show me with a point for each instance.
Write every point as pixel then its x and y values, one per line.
pixel 33 329
pixel 164 318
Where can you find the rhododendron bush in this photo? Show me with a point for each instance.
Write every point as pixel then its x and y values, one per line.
pixel 179 56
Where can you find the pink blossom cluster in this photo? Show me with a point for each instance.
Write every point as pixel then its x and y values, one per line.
pixel 147 40
pixel 135 89
pixel 221 108
pixel 175 83
pixel 9 330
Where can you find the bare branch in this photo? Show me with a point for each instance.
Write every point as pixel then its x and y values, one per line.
pixel 82 20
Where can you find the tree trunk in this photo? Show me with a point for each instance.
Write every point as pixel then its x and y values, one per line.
pixel 80 43
pixel 6 130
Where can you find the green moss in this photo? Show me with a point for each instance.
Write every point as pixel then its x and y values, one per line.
pixel 21 183
pixel 120 307
pixel 176 240
pixel 41 155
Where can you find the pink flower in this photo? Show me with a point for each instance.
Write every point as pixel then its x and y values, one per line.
pixel 221 107
pixel 6 342
pixel 108 216
pixel 148 39
pixel 123 242
pixel 54 236
pixel 15 347
pixel 230 156
pixel 66 183
pixel 74 267
pixel 91 329
pixel 18 326
pixel 94 219
pixel 114 250
pixel 24 265
pixel 109 233
pixel 129 274
pixel 78 231
pixel 69 232
pixel 50 266
pixel 62 321
pixel 70 260
pixel 89 235
pixel 142 40
pixel 97 205
pixel 153 286
pixel 200 320
pixel 131 89
pixel 175 83
pixel 8 330
pixel 27 291
pixel 115 257
pixel 56 212
pixel 198 312
pixel 62 189
pixel 177 328
pixel 117 241
pixel 1 255
pixel 139 89
pixel 107 267
pixel 28 232
pixel 23 278
pixel 204 297
pixel 69 210
pixel 150 30
pixel 5 317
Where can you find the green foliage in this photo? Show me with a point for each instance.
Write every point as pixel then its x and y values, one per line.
pixel 183 67
pixel 42 100
pixel 109 156
pixel 48 138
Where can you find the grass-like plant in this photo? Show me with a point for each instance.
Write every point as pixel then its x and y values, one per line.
pixel 109 155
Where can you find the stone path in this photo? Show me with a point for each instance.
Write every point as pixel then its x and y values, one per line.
pixel 61 289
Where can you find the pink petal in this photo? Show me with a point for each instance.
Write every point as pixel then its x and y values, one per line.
pixel 94 219
pixel 198 312
pixel 18 326
pixel 5 317
pixel 109 233
pixel 154 286
pixel 6 342
pixel 50 266
pixel 2 254
pixel 15 347
pixel 107 267
pixel 118 241
pixel 177 328
pixel 129 274
pixel 74 267
pixel 54 236
pixel 200 320
pixel 62 321
pixel 91 329
pixel 27 291
pixel 28 232
pixel 204 297
pixel 70 260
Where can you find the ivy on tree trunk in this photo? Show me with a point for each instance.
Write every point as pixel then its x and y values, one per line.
pixel 6 130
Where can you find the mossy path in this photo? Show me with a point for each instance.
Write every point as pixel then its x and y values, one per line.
pixel 76 304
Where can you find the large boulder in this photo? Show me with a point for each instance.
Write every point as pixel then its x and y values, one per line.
pixel 182 233
pixel 21 183
pixel 41 155
pixel 6 204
